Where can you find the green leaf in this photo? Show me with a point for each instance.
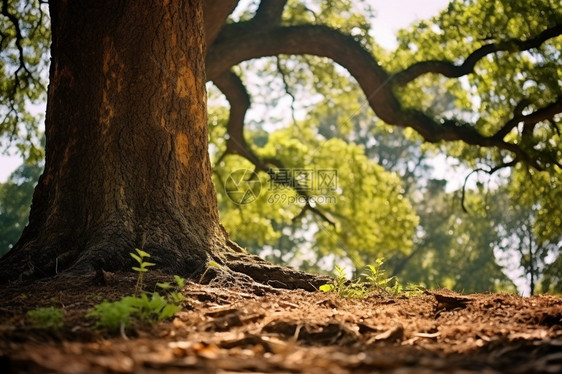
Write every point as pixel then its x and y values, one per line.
pixel 137 258
pixel 156 303
pixel 164 285
pixel 179 281
pixel 177 297
pixel 142 270
pixel 142 253
pixel 168 311
pixel 326 288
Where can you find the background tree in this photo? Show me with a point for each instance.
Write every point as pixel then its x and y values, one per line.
pixel 24 43
pixel 527 233
pixel 15 199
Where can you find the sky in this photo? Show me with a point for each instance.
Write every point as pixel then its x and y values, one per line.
pixel 394 15
pixel 390 17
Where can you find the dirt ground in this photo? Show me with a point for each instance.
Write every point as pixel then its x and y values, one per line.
pixel 231 330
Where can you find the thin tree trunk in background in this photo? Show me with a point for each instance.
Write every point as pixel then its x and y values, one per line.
pixel 532 263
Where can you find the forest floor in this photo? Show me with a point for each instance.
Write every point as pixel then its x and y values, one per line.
pixel 232 330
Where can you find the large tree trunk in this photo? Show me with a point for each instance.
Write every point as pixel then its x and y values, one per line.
pixel 126 156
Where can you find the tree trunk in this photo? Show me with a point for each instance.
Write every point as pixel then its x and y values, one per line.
pixel 126 155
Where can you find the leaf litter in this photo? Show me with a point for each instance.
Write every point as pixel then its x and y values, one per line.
pixel 231 330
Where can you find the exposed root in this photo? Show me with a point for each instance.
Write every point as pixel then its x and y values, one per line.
pixel 225 278
pixel 240 268
pixel 237 268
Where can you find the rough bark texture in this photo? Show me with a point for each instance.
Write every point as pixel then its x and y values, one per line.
pixel 127 163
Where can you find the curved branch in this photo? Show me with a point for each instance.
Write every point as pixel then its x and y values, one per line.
pixel 314 40
pixel 542 114
pixel 451 70
pixel 233 88
pixel 268 16
pixel 373 79
pixel 283 74
pixel 215 14
pixel 487 171
pixel 512 123
pixel 269 12
pixel 19 38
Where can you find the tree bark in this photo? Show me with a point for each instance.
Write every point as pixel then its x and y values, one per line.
pixel 126 155
pixel 127 164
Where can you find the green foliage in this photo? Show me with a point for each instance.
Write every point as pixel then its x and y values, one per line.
pixel 342 286
pixel 540 191
pixel 454 249
pixel 120 314
pixel 23 77
pixel 371 215
pixel 500 82
pixel 141 269
pixel 49 318
pixel 372 280
pixel 15 200
pixel 210 265
pixel 375 275
pixel 173 293
pixel 551 281
pixel 115 315
pixel 531 224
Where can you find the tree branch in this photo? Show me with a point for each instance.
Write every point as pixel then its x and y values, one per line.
pixel 542 114
pixel 283 73
pixel 487 171
pixel 233 88
pixel 512 123
pixel 215 14
pixel 269 12
pixel 373 79
pixel 19 38
pixel 450 70
pixel 296 40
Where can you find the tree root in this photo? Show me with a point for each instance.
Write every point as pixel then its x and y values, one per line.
pixel 240 267
pixel 237 268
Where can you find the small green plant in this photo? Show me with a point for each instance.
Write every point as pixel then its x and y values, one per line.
pixel 375 278
pixel 141 269
pixel 372 280
pixel 120 314
pixel 173 292
pixel 210 264
pixel 46 318
pixel 344 287
pixel 112 315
